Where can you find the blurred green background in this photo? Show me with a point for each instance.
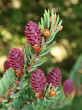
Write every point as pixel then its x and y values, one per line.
pixel 15 14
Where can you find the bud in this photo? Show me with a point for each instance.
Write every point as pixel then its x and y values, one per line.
pixel 60 28
pixel 36 48
pixel 19 73
pixel 52 93
pixel 54 18
pixel 39 95
pixel 46 33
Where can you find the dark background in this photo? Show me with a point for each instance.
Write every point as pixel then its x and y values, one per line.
pixel 15 14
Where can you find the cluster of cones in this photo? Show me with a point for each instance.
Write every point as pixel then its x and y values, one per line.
pixel 38 80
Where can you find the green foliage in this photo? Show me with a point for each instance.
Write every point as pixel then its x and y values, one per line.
pixel 51 103
pixel 75 74
pixel 45 23
pixel 46 50
pixel 13 20
pixel 22 93
pixel 28 51
pixel 21 97
pixel 7 81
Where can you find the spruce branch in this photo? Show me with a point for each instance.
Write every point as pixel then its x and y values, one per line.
pixel 24 86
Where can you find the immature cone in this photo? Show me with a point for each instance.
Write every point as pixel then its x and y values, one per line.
pixel 33 33
pixel 16 60
pixel 46 33
pixel 38 81
pixel 54 77
pixel 68 87
pixel 6 65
